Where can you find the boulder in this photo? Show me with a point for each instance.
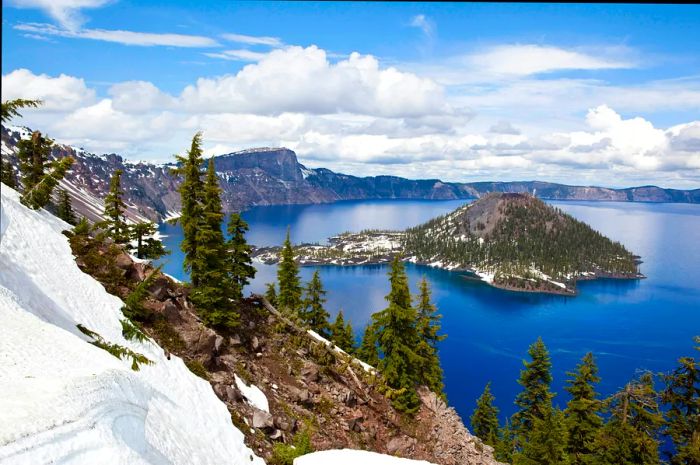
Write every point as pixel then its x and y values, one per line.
pixel 263 420
pixel 401 445
pixel 159 288
pixel 171 311
pixel 355 424
pixel 310 372
pixel 302 396
pixel 123 262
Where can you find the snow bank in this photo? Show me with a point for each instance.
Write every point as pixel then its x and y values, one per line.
pixel 253 395
pixel 65 401
pixel 353 457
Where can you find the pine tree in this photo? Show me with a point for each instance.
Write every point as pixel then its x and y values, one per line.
pixel 147 247
pixel 312 312
pixel 505 446
pixel 38 196
pixel 484 420
pixel 428 325
pixel 535 401
pixel 341 333
pixel 682 396
pixel 7 174
pixel 33 155
pixel 368 351
pixel 271 294
pixel 65 209
pixel 190 167
pixel 582 412
pixel 115 222
pixel 240 261
pixel 10 108
pixel 289 297
pixel 547 441
pixel 397 336
pixel 212 294
pixel 630 435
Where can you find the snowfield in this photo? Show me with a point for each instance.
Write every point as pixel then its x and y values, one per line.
pixel 65 401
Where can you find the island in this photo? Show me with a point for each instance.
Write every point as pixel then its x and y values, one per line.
pixel 512 241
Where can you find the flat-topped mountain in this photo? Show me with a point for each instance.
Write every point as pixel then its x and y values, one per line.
pixel 274 176
pixel 511 241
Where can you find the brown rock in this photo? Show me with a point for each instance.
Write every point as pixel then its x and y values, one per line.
pixel 123 262
pixel 171 311
pixel 263 420
pixel 310 372
pixel 401 445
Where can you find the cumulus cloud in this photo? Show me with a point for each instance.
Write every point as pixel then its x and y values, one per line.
pixel 59 93
pixel 65 12
pixel 139 97
pixel 504 127
pixel 144 39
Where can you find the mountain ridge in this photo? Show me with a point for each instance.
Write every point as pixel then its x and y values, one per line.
pixel 274 176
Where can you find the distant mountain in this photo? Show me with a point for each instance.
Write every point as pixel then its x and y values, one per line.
pixel 274 176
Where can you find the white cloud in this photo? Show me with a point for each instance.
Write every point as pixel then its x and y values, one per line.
pixel 253 40
pixel 523 60
pixel 139 97
pixel 66 12
pixel 238 55
pixel 144 39
pixel 504 127
pixel 62 93
pixel 424 24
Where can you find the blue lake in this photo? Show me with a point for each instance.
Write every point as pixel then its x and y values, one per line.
pixel 628 325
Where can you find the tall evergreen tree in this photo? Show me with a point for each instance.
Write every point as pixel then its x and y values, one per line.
pixel 368 351
pixel 115 222
pixel 191 190
pixel 7 173
pixel 212 294
pixel 64 209
pixel 397 337
pixel 535 400
pixel 313 313
pixel 630 435
pixel 147 247
pixel 484 420
pixel 33 155
pixel 289 296
pixel 342 334
pixel 505 446
pixel 240 261
pixel 271 294
pixel 428 326
pixel 39 195
pixel 582 412
pixel 546 443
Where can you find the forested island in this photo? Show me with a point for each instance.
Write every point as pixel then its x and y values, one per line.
pixel 510 241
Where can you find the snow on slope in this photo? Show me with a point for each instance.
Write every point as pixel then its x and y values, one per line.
pixel 65 401
pixel 353 457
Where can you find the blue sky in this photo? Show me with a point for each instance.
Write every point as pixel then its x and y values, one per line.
pixel 598 94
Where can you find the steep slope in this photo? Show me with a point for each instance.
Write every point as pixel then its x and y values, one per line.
pixel 66 401
pixel 274 176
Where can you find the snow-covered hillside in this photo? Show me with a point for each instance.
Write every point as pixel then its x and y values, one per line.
pixel 66 401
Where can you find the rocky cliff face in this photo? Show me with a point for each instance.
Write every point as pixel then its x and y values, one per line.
pixel 274 176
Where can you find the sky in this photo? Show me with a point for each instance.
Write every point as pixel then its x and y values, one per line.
pixel 596 94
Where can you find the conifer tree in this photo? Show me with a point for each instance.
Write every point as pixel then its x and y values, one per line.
pixel 115 222
pixel 484 420
pixel 341 333
pixel 38 195
pixel 240 261
pixel 630 435
pixel 682 396
pixel 397 336
pixel 190 167
pixel 535 400
pixel 428 325
pixel 147 247
pixel 212 294
pixel 368 351
pixel 64 209
pixel 33 155
pixel 271 294
pixel 313 313
pixel 505 446
pixel 289 296
pixel 7 174
pixel 582 412
pixel 546 443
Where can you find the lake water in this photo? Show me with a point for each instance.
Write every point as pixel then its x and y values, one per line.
pixel 628 325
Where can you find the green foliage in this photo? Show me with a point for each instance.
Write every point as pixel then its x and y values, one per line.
pixel 582 412
pixel 196 367
pixel 681 394
pixel 312 312
pixel 289 297
pixel 118 351
pixel 99 258
pixel 240 261
pixel 191 198
pixel 535 400
pixel 271 294
pixel 342 334
pixel 505 446
pixel 396 337
pixel 115 221
pixel 484 420
pixel 33 155
pixel 368 351
pixel 64 209
pixel 7 173
pixel 167 337
pixel 147 247
pixel 131 332
pixel 547 441
pixel 284 454
pixel 428 326
pixel 133 305
pixel 10 108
